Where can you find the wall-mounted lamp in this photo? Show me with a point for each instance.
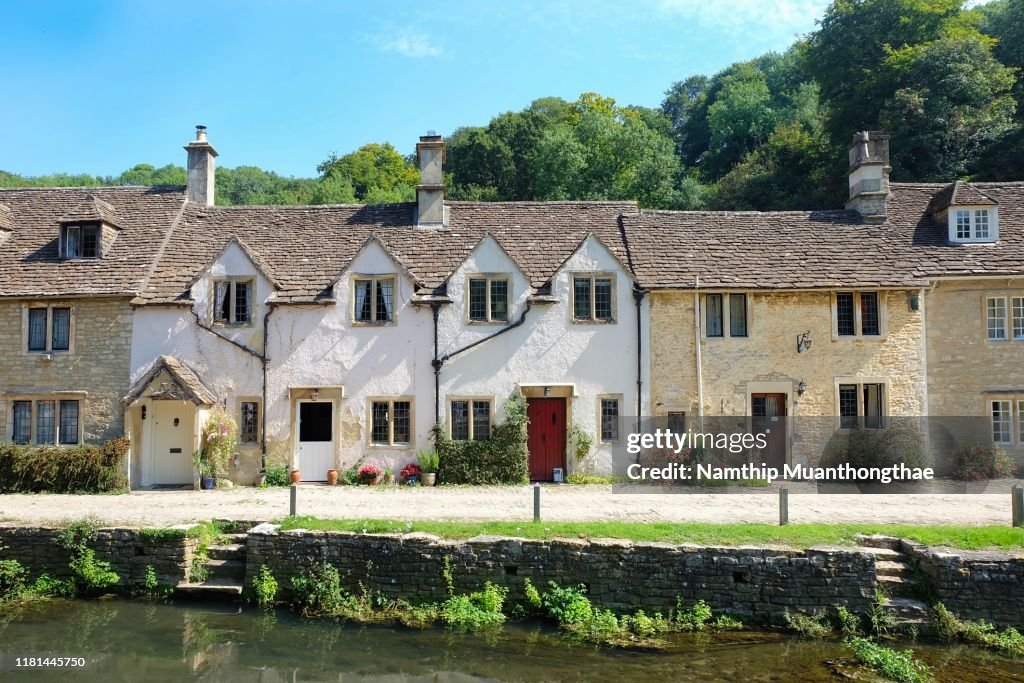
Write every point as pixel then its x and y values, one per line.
pixel 801 388
pixel 803 342
pixel 547 391
pixel 315 394
pixel 914 301
pixel 143 412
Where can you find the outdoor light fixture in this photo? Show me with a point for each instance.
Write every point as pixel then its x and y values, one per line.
pixel 803 342
pixel 801 388
pixel 914 301
pixel 315 394
pixel 547 391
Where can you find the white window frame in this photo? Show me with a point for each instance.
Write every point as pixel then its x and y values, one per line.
pixel 390 401
pixel 726 314
pixel 488 278
pixel 593 277
pixel 34 400
pixel 233 283
pixel 472 429
pixel 1007 420
pixel 49 329
pixel 858 327
pixel 1008 316
pixel 374 279
pixel 973 214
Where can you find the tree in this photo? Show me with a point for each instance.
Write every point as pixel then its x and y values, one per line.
pixel 740 118
pixel 148 175
pixel 376 172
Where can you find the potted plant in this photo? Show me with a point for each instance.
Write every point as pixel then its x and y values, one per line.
pixel 429 462
pixel 220 436
pixel 368 475
pixel 207 474
pixel 411 473
pixel 389 476
pixel 295 476
pixel 332 477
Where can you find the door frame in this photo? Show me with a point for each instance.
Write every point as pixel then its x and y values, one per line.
pixel 148 459
pixel 564 462
pixel 784 388
pixel 296 464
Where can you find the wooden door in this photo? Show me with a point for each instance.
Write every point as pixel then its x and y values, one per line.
pixel 546 436
pixel 769 415
pixel 171 422
pixel 316 440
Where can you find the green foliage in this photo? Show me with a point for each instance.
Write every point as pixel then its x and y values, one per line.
pixel 693 618
pixel 428 460
pixel 276 474
pixel 264 588
pixel 373 174
pixel 583 479
pixel 567 605
pixel 726 623
pixel 12 579
pixel 157 534
pixel 92 575
pixel 807 625
pixel 880 619
pixel 349 477
pixel 532 595
pixel 894 444
pixel 198 571
pixel 152 588
pixel 581 441
pixel 847 622
pixel 220 437
pixel 53 587
pixel 318 590
pixel 945 626
pixel 502 459
pixel 975 462
pixel 63 469
pixel 895 665
pixel 476 611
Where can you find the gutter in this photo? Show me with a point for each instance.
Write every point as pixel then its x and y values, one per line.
pixel 638 297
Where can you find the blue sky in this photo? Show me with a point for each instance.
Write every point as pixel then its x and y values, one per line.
pixel 100 86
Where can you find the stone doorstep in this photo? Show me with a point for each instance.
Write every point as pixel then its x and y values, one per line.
pixel 888 568
pixel 879 541
pixel 882 553
pixel 226 569
pixel 232 551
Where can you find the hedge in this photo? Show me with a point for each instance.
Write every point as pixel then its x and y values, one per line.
pixel 502 459
pixel 63 469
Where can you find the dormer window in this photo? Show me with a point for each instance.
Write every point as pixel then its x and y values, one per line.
pixel 232 302
pixel 81 241
pixel 973 224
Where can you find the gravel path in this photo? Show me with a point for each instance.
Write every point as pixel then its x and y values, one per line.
pixel 559 503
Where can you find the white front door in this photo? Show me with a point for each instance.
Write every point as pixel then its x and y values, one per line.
pixel 316 439
pixel 170 445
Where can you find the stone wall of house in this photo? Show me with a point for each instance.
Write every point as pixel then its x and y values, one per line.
pixel 767 361
pixel 95 371
pixel 618 574
pixel 129 552
pixel 966 371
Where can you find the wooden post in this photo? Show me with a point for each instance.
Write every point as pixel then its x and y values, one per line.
pixel 783 506
pixel 294 500
pixel 1017 494
pixel 536 502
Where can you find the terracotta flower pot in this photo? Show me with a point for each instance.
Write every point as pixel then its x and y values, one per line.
pixel 429 478
pixel 296 476
pixel 332 477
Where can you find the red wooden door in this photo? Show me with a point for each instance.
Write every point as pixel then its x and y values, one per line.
pixel 546 436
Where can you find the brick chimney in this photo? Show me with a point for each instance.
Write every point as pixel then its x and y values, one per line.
pixel 430 207
pixel 869 175
pixel 199 187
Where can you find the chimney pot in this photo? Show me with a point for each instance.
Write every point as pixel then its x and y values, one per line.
pixel 199 185
pixel 430 151
pixel 869 175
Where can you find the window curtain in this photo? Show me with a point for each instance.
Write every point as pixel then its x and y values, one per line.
pixel 362 299
pixel 72 242
pixel 220 294
pixel 37 329
pixel 69 422
pixel 385 297
pixel 61 329
pixel 713 315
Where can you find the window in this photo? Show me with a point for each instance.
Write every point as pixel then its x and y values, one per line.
pixel 861 405
pixel 1002 422
pixel 995 308
pixel 1004 316
pixel 858 313
pixel 471 419
pixel 1018 318
pixel 609 420
pixel 374 300
pixel 677 422
pixel 390 423
pixel 593 298
pixel 249 425
pixel 232 302
pixel 717 307
pixel 1020 420
pixel 713 316
pixel 737 315
pixel 45 421
pixel 49 329
pixel 488 299
pixel 973 225
pixel 81 241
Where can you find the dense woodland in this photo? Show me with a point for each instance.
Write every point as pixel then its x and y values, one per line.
pixel 769 133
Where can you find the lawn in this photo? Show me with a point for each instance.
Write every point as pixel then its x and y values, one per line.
pixel 793 535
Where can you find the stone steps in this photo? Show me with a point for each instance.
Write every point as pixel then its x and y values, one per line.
pixel 234 538
pixel 226 569
pixel 211 589
pixel 908 611
pixel 892 569
pixel 230 551
pixel 884 554
pixel 880 542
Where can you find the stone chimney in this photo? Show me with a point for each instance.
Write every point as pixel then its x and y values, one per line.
pixel 199 186
pixel 869 175
pixel 430 207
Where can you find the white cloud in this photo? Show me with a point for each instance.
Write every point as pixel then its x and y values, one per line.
pixel 409 43
pixel 750 17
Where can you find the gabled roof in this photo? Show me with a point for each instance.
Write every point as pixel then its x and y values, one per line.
pixel 253 257
pixel 966 194
pixel 188 384
pixel 92 209
pixel 375 239
pixel 31 266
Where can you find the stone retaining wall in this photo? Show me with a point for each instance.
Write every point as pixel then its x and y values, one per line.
pixel 129 552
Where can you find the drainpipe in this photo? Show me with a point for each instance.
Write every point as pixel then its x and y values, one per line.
pixel 436 363
pixel 696 336
pixel 638 297
pixel 263 399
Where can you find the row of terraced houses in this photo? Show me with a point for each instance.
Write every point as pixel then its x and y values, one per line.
pixel 343 333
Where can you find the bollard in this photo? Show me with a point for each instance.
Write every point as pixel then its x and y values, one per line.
pixel 1017 494
pixel 294 500
pixel 536 502
pixel 783 506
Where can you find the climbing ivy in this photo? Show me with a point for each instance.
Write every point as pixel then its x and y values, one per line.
pixel 502 459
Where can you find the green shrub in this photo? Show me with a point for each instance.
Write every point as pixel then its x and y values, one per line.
pixel 808 625
pixel 428 460
pixel 502 459
pixel 264 587
pixel 693 619
pixel 12 579
pixel 726 623
pixel 532 595
pixel 947 627
pixel 276 474
pixel 93 575
pixel 63 469
pixel 152 588
pixel 897 666
pixel 318 590
pixel 582 479
pixel 898 442
pixel 980 461
pixel 567 605
pixel 51 586
pixel 847 622
pixel 581 441
pixel 350 477
pixel 880 618
pixel 477 610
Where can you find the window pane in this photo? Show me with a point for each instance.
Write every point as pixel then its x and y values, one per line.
pixel 996 317
pixel 963 224
pixel 844 314
pixel 460 420
pixel 478 299
pixel 609 419
pixel 379 423
pixel 499 300
pixel 21 424
pixel 364 304
pixel 713 315
pixel 385 300
pixel 738 315
pixel 248 430
pixel 869 313
pixel 481 420
pixel 69 422
pixel 847 405
pixel 677 422
pixel 221 302
pixel 37 329
pixel 61 329
pixel 603 299
pixel 45 424
pixel 1018 317
pixel 981 224
pixel 73 242
pixel 90 241
pixel 581 298
pixel 873 406
pixel 1001 422
pixel 401 421
pixel 243 302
